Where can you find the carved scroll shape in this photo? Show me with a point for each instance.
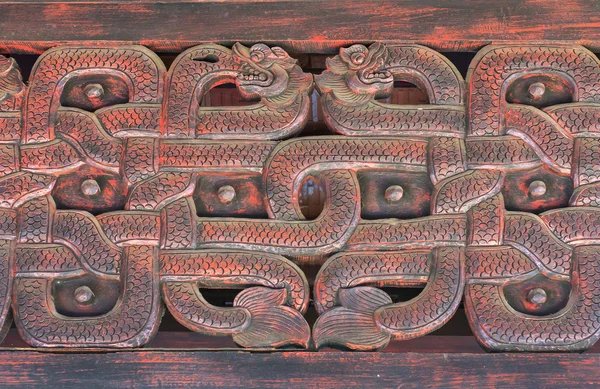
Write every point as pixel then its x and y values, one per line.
pixel 74 244
pixel 137 67
pixel 267 314
pixel 559 84
pixel 84 108
pixel 535 254
pixel 278 236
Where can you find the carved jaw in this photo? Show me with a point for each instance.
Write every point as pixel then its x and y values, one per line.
pixel 263 72
pixel 367 69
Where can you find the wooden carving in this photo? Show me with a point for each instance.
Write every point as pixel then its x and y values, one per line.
pixel 259 72
pixel 89 137
pixel 537 113
pixel 424 251
pixel 527 146
pixel 121 195
pixel 359 75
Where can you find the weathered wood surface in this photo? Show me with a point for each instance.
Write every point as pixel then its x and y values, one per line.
pixel 300 369
pixel 490 189
pixel 298 26
pixel 323 27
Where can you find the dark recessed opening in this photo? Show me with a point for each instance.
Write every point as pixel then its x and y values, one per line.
pixel 403 294
pixel 225 95
pixel 311 198
pixel 210 58
pixel 406 93
pixel 220 297
pixel 460 60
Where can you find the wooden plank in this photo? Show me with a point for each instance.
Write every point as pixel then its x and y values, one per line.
pixel 298 26
pixel 297 369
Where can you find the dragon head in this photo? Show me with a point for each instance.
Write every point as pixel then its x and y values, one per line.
pixel 11 82
pixel 367 67
pixel 263 71
pixel 358 71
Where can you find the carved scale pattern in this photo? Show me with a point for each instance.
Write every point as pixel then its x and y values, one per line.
pixel 108 211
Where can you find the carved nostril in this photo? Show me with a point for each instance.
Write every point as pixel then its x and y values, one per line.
pixel 394 193
pixel 90 187
pixel 83 295
pixel 537 188
pixel 94 91
pixel 226 194
pixel 537 90
pixel 537 296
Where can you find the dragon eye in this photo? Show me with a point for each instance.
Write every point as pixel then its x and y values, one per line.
pixel 257 56
pixel 357 58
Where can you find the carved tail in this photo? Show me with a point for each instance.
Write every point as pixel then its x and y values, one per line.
pixel 268 314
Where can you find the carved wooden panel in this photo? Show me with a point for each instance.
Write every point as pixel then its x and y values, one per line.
pixel 121 196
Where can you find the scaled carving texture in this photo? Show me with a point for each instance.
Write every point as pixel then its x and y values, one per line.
pixel 122 196
pixel 512 222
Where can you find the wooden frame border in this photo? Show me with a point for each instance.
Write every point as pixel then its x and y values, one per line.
pixel 166 369
pixel 31 26
pixel 301 26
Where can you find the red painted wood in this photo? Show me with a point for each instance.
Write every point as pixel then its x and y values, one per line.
pixel 296 369
pixel 297 26
pixel 503 139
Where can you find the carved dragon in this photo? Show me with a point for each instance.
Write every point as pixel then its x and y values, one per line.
pixel 358 76
pixel 265 74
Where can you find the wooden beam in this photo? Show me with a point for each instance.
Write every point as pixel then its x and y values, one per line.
pixel 298 369
pixel 298 26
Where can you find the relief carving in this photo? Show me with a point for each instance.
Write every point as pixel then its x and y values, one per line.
pixel 121 195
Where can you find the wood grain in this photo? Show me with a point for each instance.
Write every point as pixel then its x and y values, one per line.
pixel 298 26
pixel 299 369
